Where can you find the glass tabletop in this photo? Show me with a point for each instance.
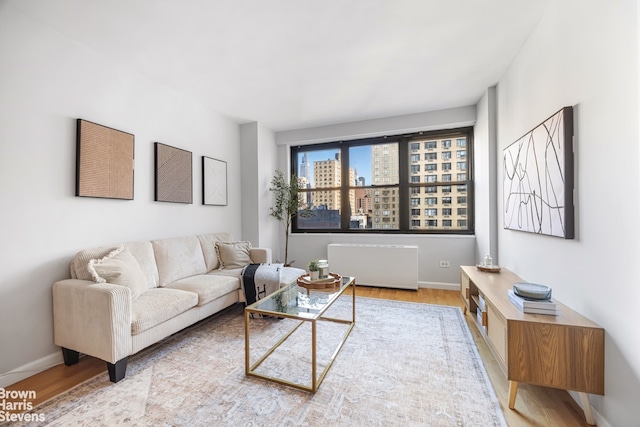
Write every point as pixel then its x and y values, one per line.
pixel 294 300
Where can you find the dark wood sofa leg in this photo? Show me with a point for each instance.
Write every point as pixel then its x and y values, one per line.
pixel 117 370
pixel 70 357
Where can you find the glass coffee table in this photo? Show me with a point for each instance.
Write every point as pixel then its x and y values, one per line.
pixel 304 305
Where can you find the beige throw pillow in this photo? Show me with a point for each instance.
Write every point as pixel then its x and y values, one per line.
pixel 233 254
pixel 119 267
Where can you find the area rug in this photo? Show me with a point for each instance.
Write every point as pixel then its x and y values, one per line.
pixel 404 364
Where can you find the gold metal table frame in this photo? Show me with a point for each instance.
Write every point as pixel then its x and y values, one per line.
pixel 284 304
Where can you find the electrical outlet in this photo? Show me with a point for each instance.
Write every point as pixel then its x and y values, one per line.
pixel 445 264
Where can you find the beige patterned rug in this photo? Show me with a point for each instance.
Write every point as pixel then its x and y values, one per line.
pixel 404 364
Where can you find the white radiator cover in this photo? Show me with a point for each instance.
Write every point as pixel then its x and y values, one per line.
pixel 390 266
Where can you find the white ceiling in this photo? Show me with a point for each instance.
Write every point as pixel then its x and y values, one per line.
pixel 292 64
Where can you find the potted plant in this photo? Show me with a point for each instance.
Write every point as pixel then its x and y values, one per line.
pixel 287 204
pixel 314 270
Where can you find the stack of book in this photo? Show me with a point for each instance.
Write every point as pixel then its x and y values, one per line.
pixel 534 306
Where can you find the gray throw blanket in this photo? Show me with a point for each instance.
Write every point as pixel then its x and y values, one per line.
pixel 260 280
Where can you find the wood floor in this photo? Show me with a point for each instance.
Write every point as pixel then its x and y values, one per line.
pixel 535 406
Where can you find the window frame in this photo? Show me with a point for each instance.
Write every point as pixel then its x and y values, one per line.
pixel 404 187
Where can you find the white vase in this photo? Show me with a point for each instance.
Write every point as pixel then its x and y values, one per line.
pixel 313 275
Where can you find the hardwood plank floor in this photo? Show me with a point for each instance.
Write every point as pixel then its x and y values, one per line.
pixel 535 406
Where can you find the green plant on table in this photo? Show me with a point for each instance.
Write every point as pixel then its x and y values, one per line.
pixel 313 265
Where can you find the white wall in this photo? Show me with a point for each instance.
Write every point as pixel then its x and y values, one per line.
pixel 584 53
pixel 46 82
pixel 458 250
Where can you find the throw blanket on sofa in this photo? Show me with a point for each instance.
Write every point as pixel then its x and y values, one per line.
pixel 260 280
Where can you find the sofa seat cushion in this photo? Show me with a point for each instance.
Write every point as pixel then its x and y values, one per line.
pixel 208 287
pixel 157 305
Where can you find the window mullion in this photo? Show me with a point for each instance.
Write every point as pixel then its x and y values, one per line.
pixel 403 176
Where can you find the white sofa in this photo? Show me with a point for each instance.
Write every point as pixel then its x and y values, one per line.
pixel 121 299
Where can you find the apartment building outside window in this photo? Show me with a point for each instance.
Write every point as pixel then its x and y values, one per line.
pixel 393 184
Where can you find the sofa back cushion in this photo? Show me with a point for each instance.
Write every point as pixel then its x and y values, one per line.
pixel 208 244
pixel 178 258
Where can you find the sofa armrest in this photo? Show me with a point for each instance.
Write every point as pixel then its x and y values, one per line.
pixel 260 255
pixel 92 318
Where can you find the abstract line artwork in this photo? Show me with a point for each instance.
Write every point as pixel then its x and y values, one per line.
pixel 174 174
pixel 104 162
pixel 214 182
pixel 538 179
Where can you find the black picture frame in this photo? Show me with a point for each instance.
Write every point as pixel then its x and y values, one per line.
pixel 173 174
pixel 214 182
pixel 105 161
pixel 538 179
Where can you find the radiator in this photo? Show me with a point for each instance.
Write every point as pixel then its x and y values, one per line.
pixel 391 266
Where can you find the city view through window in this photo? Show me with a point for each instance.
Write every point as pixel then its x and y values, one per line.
pixel 413 183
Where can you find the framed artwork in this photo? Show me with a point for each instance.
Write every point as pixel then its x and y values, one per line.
pixel 104 161
pixel 538 179
pixel 214 182
pixel 174 174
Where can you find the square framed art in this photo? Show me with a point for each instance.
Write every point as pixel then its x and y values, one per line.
pixel 214 182
pixel 104 161
pixel 173 173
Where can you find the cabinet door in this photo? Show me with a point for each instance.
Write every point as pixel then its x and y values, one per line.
pixel 497 334
pixel 464 289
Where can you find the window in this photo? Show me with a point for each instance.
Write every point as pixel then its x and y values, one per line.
pixel 391 184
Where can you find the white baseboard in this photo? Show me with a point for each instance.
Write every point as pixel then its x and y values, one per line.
pixel 437 285
pixel 30 369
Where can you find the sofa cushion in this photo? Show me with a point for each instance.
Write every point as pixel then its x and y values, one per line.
pixel 208 243
pixel 120 268
pixel 178 258
pixel 78 267
pixel 233 254
pixel 209 287
pixel 141 251
pixel 157 305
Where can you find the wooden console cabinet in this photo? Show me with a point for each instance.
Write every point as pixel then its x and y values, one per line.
pixel 565 351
